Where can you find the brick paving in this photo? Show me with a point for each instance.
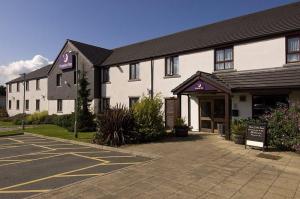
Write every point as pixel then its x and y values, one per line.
pixel 200 166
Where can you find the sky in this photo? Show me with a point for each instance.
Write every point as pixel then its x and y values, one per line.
pixel 32 32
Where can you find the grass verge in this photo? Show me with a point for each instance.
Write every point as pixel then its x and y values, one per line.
pixel 56 131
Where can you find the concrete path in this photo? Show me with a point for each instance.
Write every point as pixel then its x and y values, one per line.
pixel 200 166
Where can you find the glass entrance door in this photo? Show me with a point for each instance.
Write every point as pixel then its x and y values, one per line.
pixel 206 116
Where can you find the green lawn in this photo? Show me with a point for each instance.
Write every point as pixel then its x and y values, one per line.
pixel 3 133
pixel 55 131
pixel 7 124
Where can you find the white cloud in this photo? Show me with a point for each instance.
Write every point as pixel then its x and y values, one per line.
pixel 12 70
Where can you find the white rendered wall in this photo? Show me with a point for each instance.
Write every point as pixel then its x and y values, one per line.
pixel 67 108
pixel 32 95
pixel 245 108
pixel 194 113
pixel 188 65
pixel 260 54
pixel 120 88
pixel 184 108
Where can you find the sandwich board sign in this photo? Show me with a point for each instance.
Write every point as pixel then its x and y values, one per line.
pixel 256 135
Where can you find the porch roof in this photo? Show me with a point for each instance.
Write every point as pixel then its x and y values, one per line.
pixel 270 78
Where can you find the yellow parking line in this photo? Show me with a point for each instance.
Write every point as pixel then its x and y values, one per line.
pixel 30 160
pixel 48 177
pixel 117 156
pixel 14 140
pixel 86 147
pixel 79 175
pixel 57 144
pixel 10 147
pixel 25 154
pixel 26 191
pixel 41 146
pixel 116 163
pixel 92 158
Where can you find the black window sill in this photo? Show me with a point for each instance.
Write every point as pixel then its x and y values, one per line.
pixel 225 70
pixel 106 82
pixel 134 80
pixel 171 76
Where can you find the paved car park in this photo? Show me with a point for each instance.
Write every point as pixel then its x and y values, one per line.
pixel 30 165
pixel 198 166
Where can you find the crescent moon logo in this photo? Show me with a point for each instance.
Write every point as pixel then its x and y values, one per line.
pixel 65 56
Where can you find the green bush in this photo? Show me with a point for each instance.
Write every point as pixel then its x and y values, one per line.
pixel 282 127
pixel 148 117
pixel 37 117
pixel 115 127
pixel 3 113
pixel 238 130
pixel 65 121
pixel 180 122
pixel 17 119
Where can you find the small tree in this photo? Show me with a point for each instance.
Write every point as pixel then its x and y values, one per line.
pixel 2 90
pixel 85 119
pixel 148 116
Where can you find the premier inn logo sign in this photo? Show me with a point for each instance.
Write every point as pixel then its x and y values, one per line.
pixel 66 61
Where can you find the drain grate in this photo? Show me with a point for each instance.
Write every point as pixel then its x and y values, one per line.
pixel 268 156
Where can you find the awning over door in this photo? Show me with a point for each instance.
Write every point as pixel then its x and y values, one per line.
pixel 202 83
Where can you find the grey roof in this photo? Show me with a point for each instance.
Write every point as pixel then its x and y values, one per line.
pixel 281 77
pixel 94 54
pixel 269 78
pixel 39 73
pixel 274 21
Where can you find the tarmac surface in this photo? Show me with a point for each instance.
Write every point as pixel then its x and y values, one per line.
pixel 30 165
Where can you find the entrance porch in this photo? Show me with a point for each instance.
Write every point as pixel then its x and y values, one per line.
pixel 211 100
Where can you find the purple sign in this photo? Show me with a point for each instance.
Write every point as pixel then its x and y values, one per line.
pixel 200 86
pixel 65 61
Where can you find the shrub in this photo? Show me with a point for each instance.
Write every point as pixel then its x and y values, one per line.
pixel 37 117
pixel 115 127
pixel 282 127
pixel 149 118
pixel 17 119
pixel 65 121
pixel 3 113
pixel 238 130
pixel 180 122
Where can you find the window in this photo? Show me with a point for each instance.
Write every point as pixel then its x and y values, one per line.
pixel 59 105
pixel 75 79
pixel 9 88
pixel 224 59
pixel 134 71
pixel 18 86
pixel 133 101
pixel 37 105
pixel 18 104
pixel 171 66
pixel 293 49
pixel 37 85
pixel 58 80
pixel 105 104
pixel 27 105
pixel 263 103
pixel 105 75
pixel 27 85
pixel 9 104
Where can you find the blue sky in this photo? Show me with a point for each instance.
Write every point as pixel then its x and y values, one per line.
pixel 39 27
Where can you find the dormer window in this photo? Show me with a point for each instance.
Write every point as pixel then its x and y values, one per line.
pixel 293 49
pixel 224 59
